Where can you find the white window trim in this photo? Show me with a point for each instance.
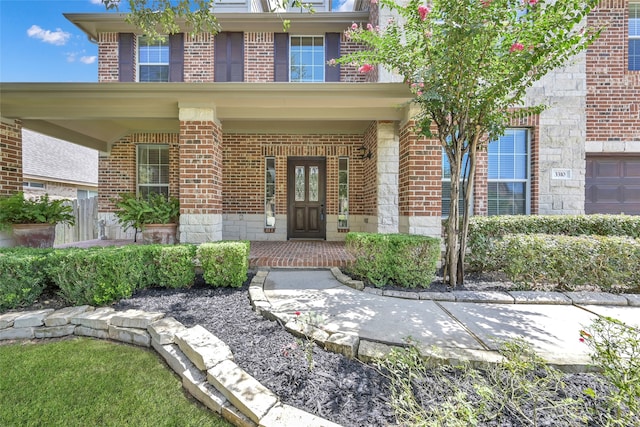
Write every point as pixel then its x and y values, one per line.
pixel 138 185
pixel 630 37
pixel 266 168
pixel 348 195
pixel 527 180
pixel 139 63
pixel 323 56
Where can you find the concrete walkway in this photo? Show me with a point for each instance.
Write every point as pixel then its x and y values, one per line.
pixel 454 330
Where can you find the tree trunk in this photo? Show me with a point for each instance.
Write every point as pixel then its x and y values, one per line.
pixel 452 230
pixel 468 198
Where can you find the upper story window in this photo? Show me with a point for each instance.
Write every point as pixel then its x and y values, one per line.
pixel 634 36
pixel 307 61
pixel 304 58
pixel 153 60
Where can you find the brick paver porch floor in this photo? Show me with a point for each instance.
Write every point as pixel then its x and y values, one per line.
pixel 299 253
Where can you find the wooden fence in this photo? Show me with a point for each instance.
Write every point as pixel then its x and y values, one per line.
pixel 86 227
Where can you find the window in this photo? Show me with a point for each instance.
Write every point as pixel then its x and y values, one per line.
pixel 270 192
pixel 153 169
pixel 446 185
pixel 634 36
pixel 30 184
pixel 306 59
pixel 153 60
pixel 86 194
pixel 508 174
pixel 343 193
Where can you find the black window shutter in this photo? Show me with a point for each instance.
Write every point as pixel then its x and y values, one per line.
pixel 235 56
pixel 176 57
pixel 126 57
pixel 281 57
pixel 220 58
pixel 331 51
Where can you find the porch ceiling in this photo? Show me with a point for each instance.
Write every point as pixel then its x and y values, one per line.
pixel 97 114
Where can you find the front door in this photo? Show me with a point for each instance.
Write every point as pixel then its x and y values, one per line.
pixel 306 214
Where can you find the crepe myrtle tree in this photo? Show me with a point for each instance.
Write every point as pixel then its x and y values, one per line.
pixel 469 64
pixel 156 18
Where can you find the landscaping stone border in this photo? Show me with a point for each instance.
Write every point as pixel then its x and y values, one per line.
pixel 499 297
pixel 203 362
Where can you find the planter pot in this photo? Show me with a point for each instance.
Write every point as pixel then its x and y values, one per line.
pixel 34 235
pixel 159 233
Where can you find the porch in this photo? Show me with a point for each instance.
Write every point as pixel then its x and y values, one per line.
pixel 276 254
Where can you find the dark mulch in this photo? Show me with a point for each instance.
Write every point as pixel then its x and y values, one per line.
pixel 345 391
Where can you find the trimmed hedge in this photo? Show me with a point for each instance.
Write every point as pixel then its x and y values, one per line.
pixel 609 262
pixel 484 232
pixel 100 276
pixel 22 277
pixel 224 263
pixel 400 259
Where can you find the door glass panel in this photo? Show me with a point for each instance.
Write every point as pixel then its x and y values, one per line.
pixel 313 183
pixel 300 185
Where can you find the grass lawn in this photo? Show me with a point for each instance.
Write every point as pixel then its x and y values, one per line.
pixel 86 382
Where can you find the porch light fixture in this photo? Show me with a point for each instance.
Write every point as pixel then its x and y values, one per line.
pixel 365 153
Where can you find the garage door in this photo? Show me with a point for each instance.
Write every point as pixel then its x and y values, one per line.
pixel 613 184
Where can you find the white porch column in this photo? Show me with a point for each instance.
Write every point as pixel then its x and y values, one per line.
pixel 387 161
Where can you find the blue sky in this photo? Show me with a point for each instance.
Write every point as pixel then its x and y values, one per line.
pixel 38 44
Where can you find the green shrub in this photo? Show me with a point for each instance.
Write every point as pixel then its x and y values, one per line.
pixel 174 266
pixel 100 276
pixel 224 263
pixel 615 350
pixel 401 259
pixel 22 277
pixel 571 261
pixel 484 231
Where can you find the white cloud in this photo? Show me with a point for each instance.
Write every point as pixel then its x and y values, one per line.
pixel 344 6
pixel 57 37
pixel 88 59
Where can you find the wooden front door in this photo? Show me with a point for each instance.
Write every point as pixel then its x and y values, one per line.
pixel 306 185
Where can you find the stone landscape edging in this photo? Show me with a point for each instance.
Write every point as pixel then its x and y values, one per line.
pixel 498 297
pixel 203 361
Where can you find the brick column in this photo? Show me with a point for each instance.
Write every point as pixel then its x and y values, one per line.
pixel 420 182
pixel 200 175
pixel 10 156
pixel 10 165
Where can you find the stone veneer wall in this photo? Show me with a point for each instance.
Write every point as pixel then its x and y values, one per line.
pixel 562 136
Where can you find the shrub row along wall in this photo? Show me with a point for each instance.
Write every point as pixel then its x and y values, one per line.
pixel 204 363
pixel 565 250
pixel 99 276
pixel 400 259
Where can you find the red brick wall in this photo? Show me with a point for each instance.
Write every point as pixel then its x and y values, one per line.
pixel 613 110
pixel 108 57
pixel 117 171
pixel 258 57
pixel 244 168
pixel 200 167
pixel 10 157
pixel 349 73
pixel 198 58
pixel 420 174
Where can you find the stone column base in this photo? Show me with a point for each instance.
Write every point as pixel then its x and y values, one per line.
pixel 200 228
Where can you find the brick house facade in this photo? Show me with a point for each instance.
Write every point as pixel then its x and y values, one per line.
pixel 254 151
